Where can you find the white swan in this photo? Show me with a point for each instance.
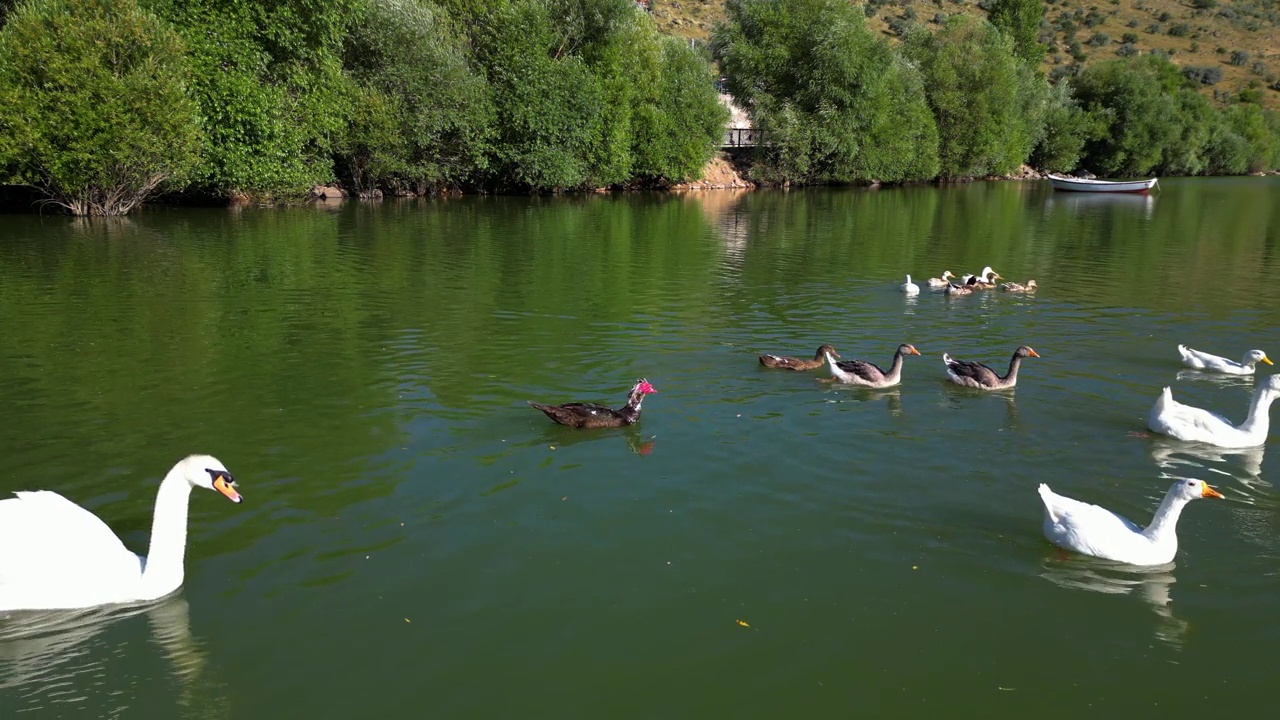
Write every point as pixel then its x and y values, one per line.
pixel 909 287
pixel 1215 363
pixel 1096 531
pixel 56 555
pixel 1172 418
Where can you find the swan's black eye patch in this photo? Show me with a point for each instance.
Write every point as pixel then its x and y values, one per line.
pixel 215 474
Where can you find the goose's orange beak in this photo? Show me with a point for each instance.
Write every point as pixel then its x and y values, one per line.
pixel 1033 353
pixel 227 488
pixel 1209 492
pixel 914 351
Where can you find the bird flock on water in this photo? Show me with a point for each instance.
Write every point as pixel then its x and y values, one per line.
pixel 55 554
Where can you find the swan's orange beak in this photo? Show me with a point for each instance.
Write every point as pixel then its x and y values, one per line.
pixel 1209 492
pixel 221 484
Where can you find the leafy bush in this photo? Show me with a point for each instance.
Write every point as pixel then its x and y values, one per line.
pixel 1127 50
pixel 1180 30
pixel 1100 40
pixel 94 110
pixel 1202 74
pixel 1239 57
pixel 1129 38
pixel 1204 4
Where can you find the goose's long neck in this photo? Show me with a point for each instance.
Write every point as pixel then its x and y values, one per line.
pixel 895 370
pixel 1012 376
pixel 1162 525
pixel 163 570
pixel 1259 420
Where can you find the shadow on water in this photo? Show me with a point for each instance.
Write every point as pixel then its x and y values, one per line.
pixel 841 393
pixel 50 659
pixel 635 440
pixel 1253 500
pixel 1152 585
pixel 1219 379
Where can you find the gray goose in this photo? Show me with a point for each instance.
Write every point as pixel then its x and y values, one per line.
pixel 865 374
pixel 976 375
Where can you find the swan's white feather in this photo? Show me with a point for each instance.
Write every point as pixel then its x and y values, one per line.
pixel 55 548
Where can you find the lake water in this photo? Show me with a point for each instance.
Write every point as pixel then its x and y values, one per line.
pixel 415 540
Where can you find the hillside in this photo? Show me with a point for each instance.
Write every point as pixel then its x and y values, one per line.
pixel 1234 41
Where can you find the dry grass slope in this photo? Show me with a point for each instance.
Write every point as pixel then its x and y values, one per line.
pixel 1234 42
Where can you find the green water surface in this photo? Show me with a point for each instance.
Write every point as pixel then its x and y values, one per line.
pixel 417 542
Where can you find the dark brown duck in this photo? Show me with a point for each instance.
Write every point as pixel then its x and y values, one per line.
pixel 795 363
pixel 590 415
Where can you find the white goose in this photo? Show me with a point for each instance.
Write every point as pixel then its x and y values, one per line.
pixel 1172 418
pixel 909 287
pixel 1096 531
pixel 1206 361
pixel 56 555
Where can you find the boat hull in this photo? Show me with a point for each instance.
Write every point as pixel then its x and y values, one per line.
pixel 1103 186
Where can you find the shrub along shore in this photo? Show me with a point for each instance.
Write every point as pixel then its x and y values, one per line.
pixel 106 103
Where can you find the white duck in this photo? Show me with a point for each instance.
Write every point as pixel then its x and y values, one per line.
pixel 1096 531
pixel 1172 418
pixel 1214 363
pixel 909 287
pixel 941 283
pixel 56 555
pixel 987 278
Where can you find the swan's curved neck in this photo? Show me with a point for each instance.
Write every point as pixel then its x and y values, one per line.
pixel 1165 520
pixel 1259 420
pixel 163 567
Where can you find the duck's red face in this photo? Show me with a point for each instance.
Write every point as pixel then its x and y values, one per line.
pixel 645 388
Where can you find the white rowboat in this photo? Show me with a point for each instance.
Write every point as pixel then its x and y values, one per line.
pixel 1106 186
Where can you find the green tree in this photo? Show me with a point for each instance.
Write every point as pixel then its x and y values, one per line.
pixel 1197 122
pixel 989 107
pixel 423 119
pixel 268 80
pixel 836 103
pixel 1067 127
pixel 1020 20
pixel 550 106
pixel 94 110
pixel 678 120
pixel 1135 99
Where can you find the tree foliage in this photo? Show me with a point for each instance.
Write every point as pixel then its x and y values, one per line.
pixel 94 110
pixel 835 102
pixel 268 80
pixel 1136 100
pixel 1020 20
pixel 989 107
pixel 423 118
